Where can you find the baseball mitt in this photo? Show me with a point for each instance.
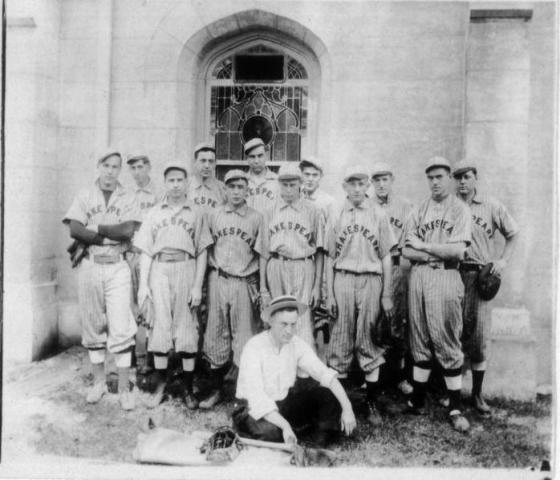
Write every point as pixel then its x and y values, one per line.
pixel 78 251
pixel 223 446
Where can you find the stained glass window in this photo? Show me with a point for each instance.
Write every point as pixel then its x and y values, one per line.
pixel 275 112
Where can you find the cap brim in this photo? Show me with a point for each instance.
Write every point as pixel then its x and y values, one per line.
pixel 438 165
pixel 460 171
pixel 231 179
pixel 357 176
pixel 270 310
pixel 289 177
pixel 382 172
pixel 308 163
pixel 182 169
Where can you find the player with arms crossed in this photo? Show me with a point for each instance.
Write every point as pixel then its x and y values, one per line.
pixel 105 218
pixel 237 266
pixel 488 216
pixel 436 237
pixel 173 239
pixel 359 283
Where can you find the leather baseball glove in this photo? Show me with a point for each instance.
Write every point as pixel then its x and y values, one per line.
pixel 78 251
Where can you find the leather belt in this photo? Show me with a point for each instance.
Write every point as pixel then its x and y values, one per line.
pixel 342 270
pixel 224 274
pixel 172 257
pixel 441 265
pixel 106 259
pixel 282 257
pixel 470 267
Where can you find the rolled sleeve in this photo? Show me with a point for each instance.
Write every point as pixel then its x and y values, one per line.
pixel 386 237
pixel 77 211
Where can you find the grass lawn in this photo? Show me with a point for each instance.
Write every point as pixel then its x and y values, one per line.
pixel 57 420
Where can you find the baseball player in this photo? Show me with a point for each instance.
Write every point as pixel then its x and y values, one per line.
pixel 105 218
pixel 312 173
pixel 203 188
pixel 146 197
pixel 397 209
pixel 295 235
pixel 359 242
pixel 173 239
pixel 488 216
pixel 436 237
pixel 263 183
pixel 237 266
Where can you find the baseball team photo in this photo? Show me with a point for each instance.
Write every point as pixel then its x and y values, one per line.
pixel 259 236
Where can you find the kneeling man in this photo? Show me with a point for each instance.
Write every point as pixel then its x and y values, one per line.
pixel 271 400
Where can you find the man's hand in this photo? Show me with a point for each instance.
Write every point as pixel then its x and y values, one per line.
pixel 143 293
pixel 498 267
pixel 289 435
pixel 195 297
pixel 387 305
pixel 415 243
pixel 347 421
pixel 315 300
pixel 332 307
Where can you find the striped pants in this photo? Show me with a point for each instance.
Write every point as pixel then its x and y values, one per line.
pixel 476 321
pixel 104 296
pixel 435 309
pixel 231 318
pixel 294 277
pixel 358 299
pixel 174 323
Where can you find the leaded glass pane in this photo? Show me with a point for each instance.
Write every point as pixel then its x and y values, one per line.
pixel 296 70
pixel 223 69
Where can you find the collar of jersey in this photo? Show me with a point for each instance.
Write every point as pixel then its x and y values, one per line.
pixel 270 175
pixel 388 202
pixel 119 190
pixel 188 204
pixel 242 211
pixel 296 205
pixel 148 188
pixel 197 183
pixel 349 206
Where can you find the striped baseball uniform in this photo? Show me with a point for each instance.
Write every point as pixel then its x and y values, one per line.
pixel 488 216
pixel 358 238
pixel 104 289
pixel 324 201
pixel 436 293
pixel 398 209
pixel 209 194
pixel 170 230
pixel 233 281
pixel 263 191
pixel 294 234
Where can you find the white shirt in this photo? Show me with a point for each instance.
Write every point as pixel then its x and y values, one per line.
pixel 266 373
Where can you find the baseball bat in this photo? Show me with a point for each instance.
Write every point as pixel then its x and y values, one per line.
pixel 285 447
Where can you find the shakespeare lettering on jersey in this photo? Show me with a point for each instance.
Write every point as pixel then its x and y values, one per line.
pixel 483 225
pixel 396 222
pixel 261 191
pixel 351 230
pixel 146 205
pixel 291 226
pixel 175 222
pixel 233 231
pixel 101 209
pixel 205 201
pixel 438 224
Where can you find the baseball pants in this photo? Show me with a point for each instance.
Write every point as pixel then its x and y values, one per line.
pixel 306 403
pixel 358 299
pixel 175 325
pixel 400 300
pixel 104 298
pixel 133 259
pixel 294 277
pixel 231 318
pixel 477 321
pixel 435 309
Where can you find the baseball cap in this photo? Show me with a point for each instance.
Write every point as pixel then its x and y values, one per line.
pixel 381 168
pixel 235 174
pixel 174 166
pixel 435 162
pixel 136 158
pixel 289 171
pixel 106 153
pixel 356 172
pixel 204 147
pixel 282 302
pixel 253 143
pixel 311 162
pixel 464 166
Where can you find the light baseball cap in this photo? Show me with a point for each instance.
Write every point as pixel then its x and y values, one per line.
pixel 356 172
pixel 436 162
pixel 464 166
pixel 282 302
pixel 289 171
pixel 381 168
pixel 253 143
pixel 235 174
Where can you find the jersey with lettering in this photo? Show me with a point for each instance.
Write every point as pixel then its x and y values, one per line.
pixel 89 208
pixel 447 221
pixel 209 194
pixel 296 230
pixel 488 216
pixel 263 192
pixel 182 228
pixel 398 209
pixel 146 197
pixel 239 239
pixel 324 201
pixel 359 237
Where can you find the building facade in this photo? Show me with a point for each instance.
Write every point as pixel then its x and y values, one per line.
pixel 346 81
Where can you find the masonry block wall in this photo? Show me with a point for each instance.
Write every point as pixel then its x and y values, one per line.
pixel 397 81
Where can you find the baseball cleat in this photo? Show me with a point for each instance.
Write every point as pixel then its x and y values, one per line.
pixel 405 387
pixel 374 417
pixel 480 404
pixel 458 422
pixel 413 409
pixel 96 392
pixel 126 400
pixel 154 399
pixel 190 401
pixel 212 400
